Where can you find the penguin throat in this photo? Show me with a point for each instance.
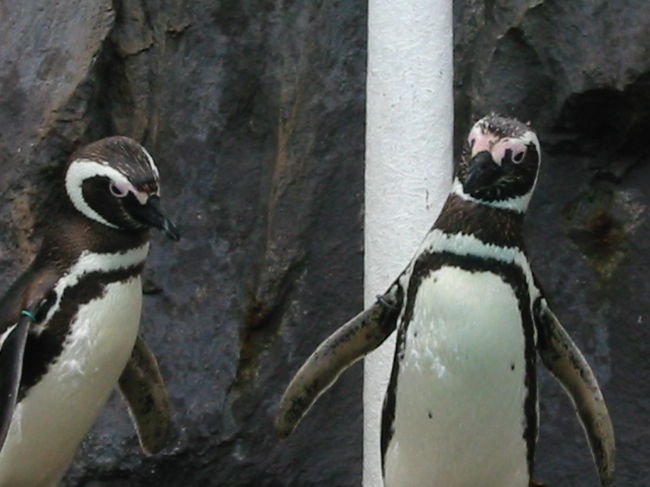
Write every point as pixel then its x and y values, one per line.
pixel 515 203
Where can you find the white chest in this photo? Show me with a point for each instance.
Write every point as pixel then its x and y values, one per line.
pixel 53 418
pixel 459 414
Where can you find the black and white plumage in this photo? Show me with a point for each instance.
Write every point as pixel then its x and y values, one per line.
pixel 69 324
pixel 461 405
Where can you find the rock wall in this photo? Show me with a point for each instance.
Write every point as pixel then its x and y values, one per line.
pixel 254 112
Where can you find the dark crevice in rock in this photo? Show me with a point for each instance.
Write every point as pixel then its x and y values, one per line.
pixel 261 327
pixel 606 129
pixel 609 126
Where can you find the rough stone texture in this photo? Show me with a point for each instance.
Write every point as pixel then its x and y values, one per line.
pixel 254 112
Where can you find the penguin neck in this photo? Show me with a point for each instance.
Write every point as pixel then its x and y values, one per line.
pixel 73 234
pixel 492 225
pixel 517 203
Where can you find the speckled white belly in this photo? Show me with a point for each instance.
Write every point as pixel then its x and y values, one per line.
pixel 53 418
pixel 459 414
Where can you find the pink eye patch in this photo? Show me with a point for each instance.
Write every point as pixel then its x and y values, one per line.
pixel 515 146
pixel 480 141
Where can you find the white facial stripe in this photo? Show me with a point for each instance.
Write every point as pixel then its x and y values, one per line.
pixel 82 169
pixel 4 336
pixel 517 203
pixel 92 262
pixel 529 137
pixel 154 168
pixel 461 244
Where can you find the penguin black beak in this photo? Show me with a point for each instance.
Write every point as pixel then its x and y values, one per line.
pixel 483 171
pixel 151 213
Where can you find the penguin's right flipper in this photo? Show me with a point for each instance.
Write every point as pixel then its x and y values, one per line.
pixel 143 389
pixel 356 338
pixel 564 360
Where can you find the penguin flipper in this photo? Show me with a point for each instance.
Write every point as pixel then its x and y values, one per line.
pixel 143 389
pixel 351 342
pixel 11 365
pixel 25 300
pixel 564 360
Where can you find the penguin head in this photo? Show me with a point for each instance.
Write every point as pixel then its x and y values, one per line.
pixel 114 181
pixel 500 162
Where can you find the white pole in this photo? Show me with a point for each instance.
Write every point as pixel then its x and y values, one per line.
pixel 408 162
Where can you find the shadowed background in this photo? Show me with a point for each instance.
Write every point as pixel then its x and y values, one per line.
pixel 254 112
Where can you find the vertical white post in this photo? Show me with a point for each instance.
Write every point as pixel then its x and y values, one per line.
pixel 408 162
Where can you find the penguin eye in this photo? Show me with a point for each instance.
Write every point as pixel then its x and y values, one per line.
pixel 517 157
pixel 117 190
pixel 471 141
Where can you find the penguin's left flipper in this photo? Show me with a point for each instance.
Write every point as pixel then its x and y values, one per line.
pixel 11 365
pixel 143 389
pixel 564 360
pixel 356 338
pixel 24 303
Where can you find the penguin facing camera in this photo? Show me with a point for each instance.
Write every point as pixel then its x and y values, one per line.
pixel 461 407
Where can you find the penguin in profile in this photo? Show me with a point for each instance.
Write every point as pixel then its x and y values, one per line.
pixel 69 324
pixel 461 407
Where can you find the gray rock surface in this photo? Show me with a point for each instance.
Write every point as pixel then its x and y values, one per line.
pixel 254 112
